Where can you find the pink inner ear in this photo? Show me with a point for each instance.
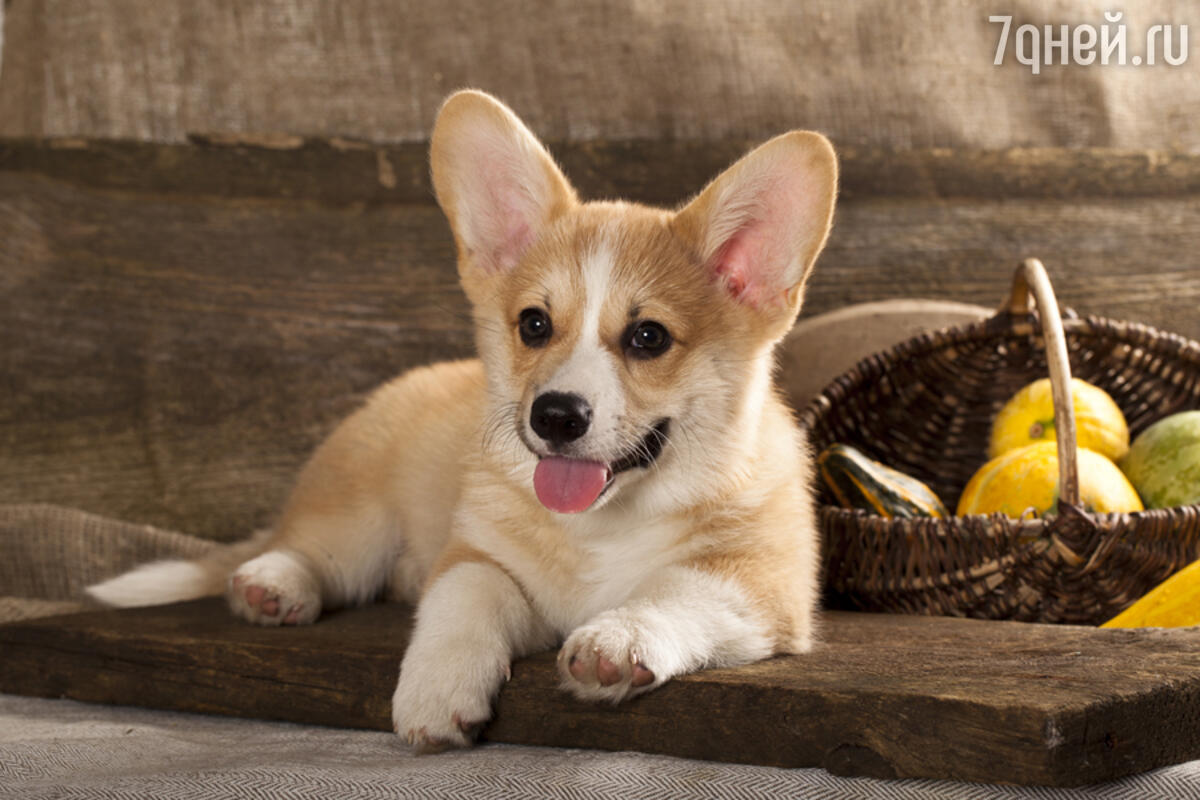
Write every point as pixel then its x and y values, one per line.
pixel 764 226
pixel 750 266
pixel 732 263
pixel 504 230
pixel 513 237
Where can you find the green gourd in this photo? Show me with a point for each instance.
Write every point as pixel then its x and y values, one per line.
pixel 1163 463
pixel 860 482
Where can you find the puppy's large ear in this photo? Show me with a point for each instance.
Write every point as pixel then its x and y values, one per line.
pixel 759 226
pixel 497 184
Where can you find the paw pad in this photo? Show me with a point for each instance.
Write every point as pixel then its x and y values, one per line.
pixel 602 672
pixel 274 590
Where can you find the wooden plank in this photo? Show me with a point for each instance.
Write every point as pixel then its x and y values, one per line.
pixel 171 358
pixel 1128 258
pixel 663 172
pixel 886 696
pixel 174 361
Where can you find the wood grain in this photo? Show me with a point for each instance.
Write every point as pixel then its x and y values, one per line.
pixel 342 171
pixel 174 361
pixel 886 696
pixel 184 323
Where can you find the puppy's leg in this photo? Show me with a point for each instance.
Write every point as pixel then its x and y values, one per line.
pixel 470 625
pixel 680 621
pixel 316 560
pixel 372 493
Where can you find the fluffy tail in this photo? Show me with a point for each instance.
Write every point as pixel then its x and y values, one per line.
pixel 176 580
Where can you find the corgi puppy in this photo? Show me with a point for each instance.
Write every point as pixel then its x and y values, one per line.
pixel 615 474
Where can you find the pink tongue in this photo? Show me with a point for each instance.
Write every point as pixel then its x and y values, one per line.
pixel 567 485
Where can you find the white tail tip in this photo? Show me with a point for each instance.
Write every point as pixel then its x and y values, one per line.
pixel 155 584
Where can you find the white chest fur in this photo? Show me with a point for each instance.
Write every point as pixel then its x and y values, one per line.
pixel 615 563
pixel 587 566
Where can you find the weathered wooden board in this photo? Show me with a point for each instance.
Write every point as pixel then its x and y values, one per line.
pixel 887 696
pixel 184 323
pixel 660 171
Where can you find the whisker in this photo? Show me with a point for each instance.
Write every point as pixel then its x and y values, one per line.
pixel 496 425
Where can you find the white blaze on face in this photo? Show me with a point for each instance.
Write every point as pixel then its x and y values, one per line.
pixel 591 370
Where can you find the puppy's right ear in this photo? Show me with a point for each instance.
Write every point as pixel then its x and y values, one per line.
pixel 494 180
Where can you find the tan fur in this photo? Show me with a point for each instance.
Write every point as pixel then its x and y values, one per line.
pixel 392 465
pixel 762 559
pixel 453 554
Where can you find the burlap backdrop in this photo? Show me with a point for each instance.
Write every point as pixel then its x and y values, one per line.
pixel 875 72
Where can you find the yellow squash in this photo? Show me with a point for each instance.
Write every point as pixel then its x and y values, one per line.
pixel 1028 418
pixel 1027 478
pixel 1174 603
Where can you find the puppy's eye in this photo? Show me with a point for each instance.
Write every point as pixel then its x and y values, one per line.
pixel 648 340
pixel 534 326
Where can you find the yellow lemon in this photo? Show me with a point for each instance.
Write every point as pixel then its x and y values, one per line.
pixel 1028 478
pixel 1028 418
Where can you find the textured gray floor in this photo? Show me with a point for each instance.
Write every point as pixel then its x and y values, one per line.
pixel 64 749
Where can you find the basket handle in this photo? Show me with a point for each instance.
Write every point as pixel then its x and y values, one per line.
pixel 1030 284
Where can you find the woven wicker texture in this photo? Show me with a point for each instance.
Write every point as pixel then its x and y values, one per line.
pixel 926 406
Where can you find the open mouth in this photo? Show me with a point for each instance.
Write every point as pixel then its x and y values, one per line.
pixel 570 485
pixel 645 452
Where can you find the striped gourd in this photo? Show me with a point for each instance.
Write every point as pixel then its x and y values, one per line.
pixel 859 482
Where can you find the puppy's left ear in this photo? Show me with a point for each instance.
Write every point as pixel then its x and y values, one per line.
pixel 759 226
pixel 497 184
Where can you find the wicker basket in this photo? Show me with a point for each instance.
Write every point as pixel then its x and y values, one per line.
pixel 926 408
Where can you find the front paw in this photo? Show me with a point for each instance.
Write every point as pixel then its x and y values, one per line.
pixel 439 705
pixel 606 660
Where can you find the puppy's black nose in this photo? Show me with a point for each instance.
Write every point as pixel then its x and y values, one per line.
pixel 560 418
